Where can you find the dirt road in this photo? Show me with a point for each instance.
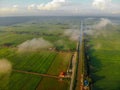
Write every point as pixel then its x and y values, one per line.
pixel 38 74
pixel 73 71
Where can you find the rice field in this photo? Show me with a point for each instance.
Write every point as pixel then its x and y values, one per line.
pixel 42 61
pixel 105 59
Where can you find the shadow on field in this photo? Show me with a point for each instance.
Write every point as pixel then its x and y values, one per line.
pixel 94 66
pixel 97 88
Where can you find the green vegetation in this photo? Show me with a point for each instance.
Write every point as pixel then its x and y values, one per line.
pixel 15 35
pixel 20 81
pixel 53 84
pixel 60 64
pixel 43 61
pixel 105 59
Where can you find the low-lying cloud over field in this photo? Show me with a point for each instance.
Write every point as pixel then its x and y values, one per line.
pixel 73 34
pixel 99 27
pixel 5 66
pixel 102 23
pixel 33 45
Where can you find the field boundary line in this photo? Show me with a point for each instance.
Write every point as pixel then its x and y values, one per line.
pixel 35 73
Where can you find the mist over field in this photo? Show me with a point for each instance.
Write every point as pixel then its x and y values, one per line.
pixel 5 72
pixel 34 45
pixel 73 34
pixel 99 27
pixel 103 23
pixel 5 66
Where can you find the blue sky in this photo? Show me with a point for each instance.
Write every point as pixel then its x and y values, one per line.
pixel 58 7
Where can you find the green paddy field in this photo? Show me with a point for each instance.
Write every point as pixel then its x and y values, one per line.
pixel 105 59
pixel 43 61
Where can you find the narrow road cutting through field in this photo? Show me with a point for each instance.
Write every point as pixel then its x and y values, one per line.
pixel 73 70
pixel 80 62
pixel 77 72
pixel 37 74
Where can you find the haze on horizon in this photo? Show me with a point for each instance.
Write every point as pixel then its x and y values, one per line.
pixel 59 7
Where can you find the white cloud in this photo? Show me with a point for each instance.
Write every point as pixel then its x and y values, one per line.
pixel 5 10
pixel 115 8
pixel 15 6
pixel 32 6
pixel 62 7
pixel 53 5
pixel 101 4
pixel 115 12
pixel 34 45
pixel 103 22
